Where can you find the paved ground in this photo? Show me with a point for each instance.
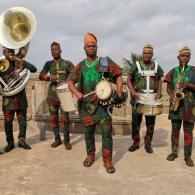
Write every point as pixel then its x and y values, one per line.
pixel 47 171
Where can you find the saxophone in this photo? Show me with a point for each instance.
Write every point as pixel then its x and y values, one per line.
pixel 179 94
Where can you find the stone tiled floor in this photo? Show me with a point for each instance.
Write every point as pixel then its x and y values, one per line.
pixel 47 171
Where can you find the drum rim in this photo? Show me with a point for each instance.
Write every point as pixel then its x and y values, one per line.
pixel 61 84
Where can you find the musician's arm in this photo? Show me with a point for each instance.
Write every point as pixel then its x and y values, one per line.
pixel 116 73
pixel 72 79
pixel 43 74
pixel 171 93
pixel 74 90
pixel 119 84
pixel 30 66
pixel 131 88
pixel 191 86
pixel 159 90
pixel 169 80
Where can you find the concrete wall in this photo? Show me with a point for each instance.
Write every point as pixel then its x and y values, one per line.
pixel 38 114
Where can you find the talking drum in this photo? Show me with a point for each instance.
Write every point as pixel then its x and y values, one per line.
pixel 104 91
pixel 148 106
pixel 67 99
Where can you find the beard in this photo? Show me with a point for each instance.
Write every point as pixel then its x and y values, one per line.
pixel 92 55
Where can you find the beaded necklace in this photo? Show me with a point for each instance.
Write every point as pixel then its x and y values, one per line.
pixel 91 64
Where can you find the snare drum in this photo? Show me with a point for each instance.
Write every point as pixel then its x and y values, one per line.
pixel 148 106
pixel 67 99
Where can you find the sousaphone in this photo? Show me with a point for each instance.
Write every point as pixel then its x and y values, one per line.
pixel 17 27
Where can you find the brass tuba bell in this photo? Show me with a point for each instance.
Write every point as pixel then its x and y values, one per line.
pixel 17 27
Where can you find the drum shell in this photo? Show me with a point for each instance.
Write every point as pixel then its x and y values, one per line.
pixel 149 110
pixel 67 99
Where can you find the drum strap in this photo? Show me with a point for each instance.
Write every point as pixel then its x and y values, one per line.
pixel 103 67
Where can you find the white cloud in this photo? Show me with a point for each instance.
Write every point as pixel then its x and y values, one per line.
pixel 121 26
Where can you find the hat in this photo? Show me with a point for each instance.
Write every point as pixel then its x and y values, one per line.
pixel 89 37
pixel 148 47
pixel 184 50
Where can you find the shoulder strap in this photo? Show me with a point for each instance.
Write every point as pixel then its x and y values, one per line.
pixel 139 68
pixel 147 72
pixel 103 67
pixel 156 67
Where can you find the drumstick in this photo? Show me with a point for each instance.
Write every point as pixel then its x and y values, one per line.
pixel 88 94
pixel 145 97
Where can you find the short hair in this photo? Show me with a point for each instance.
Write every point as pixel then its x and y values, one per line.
pixel 55 43
pixel 148 47
pixel 11 50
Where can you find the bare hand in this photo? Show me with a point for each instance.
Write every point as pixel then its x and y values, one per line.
pixel 18 61
pixel 119 93
pixel 47 78
pixel 53 78
pixel 135 95
pixel 158 96
pixel 79 96
pixel 183 85
pixel 13 74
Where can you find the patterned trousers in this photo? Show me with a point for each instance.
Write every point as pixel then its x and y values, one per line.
pixel 188 136
pixel 136 122
pixel 8 123
pixel 106 132
pixel 54 109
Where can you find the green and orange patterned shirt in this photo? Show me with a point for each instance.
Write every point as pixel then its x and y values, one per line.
pixel 87 75
pixel 186 110
pixel 61 69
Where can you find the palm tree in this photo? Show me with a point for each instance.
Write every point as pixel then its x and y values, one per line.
pixel 129 63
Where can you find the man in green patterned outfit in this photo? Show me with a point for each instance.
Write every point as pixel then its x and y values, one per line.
pixel 182 78
pixel 137 83
pixel 87 74
pixel 14 104
pixel 59 70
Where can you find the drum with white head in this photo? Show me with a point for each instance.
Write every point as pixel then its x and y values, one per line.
pixel 104 91
pixel 67 99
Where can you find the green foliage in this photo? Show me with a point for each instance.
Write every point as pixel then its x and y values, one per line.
pixel 128 63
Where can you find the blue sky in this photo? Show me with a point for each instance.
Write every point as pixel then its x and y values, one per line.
pixel 121 26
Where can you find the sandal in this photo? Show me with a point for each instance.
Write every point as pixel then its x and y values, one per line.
pixel 172 157
pixel 189 162
pixel 109 167
pixel 89 160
